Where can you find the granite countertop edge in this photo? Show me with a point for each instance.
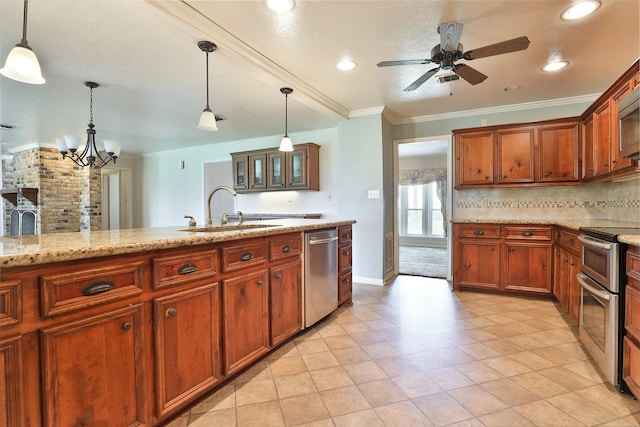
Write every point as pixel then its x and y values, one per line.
pixel 58 247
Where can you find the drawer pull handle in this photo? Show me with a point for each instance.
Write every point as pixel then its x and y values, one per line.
pixel 286 249
pixel 188 268
pixel 478 233
pixel 527 234
pixel 345 253
pixel 126 326
pixel 346 236
pixel 98 287
pixel 571 242
pixel 246 257
pixel 171 312
pixel 260 282
pixel 345 280
pixel 278 276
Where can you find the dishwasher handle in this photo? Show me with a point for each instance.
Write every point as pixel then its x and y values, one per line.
pixel 321 241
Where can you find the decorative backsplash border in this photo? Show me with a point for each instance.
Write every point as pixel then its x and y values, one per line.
pixel 610 200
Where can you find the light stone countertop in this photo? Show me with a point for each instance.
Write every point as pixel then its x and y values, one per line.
pixel 630 240
pixel 57 247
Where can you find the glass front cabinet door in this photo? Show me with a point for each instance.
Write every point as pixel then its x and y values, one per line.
pixel 296 170
pixel 258 172
pixel 276 170
pixel 240 175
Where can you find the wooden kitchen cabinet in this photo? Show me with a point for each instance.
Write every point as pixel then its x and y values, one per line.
pixel 566 287
pixel 345 262
pixel 516 259
pixel 588 149
pixel 631 345
pixel 11 396
pixel 187 347
pixel 285 301
pixel 245 306
pixel 273 170
pixel 527 154
pixel 602 134
pixel 93 370
pixel 619 163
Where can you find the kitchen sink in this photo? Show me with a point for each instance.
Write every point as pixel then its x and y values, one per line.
pixel 229 227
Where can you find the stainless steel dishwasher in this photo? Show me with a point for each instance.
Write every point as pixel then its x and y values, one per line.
pixel 320 275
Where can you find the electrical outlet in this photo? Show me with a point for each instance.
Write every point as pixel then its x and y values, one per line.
pixel 373 194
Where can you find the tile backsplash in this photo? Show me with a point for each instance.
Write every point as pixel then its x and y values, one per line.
pixel 607 200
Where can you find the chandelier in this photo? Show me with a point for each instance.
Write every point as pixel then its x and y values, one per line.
pixel 90 154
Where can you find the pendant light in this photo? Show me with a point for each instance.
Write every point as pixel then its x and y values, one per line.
pixel 90 155
pixel 207 118
pixel 22 64
pixel 286 144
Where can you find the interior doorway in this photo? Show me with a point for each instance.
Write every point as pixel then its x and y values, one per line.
pixel 116 198
pixel 423 206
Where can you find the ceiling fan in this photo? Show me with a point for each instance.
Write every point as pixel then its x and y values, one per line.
pixel 450 50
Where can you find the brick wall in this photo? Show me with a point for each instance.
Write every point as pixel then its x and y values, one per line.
pixel 69 197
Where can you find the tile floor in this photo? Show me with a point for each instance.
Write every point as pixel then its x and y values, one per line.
pixel 413 353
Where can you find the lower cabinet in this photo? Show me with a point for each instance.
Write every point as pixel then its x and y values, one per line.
pixel 566 266
pixel 503 258
pixel 285 301
pixel 345 262
pixel 93 370
pixel 187 348
pixel 11 387
pixel 245 314
pixel 631 346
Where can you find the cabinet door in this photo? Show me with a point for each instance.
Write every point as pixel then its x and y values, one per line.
pixel 478 264
pixel 188 358
pixel 561 277
pixel 474 158
pixel 11 386
pixel 574 286
pixel 246 319
pixel 588 149
pixel 528 267
pixel 618 162
pixel 558 153
pixel 276 170
pixel 602 139
pixel 93 370
pixel 258 171
pixel 240 172
pixel 515 155
pixel 286 301
pixel 296 168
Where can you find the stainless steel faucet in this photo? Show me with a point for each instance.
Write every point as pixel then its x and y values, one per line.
pixel 222 187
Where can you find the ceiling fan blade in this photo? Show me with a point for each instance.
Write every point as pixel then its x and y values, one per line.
pixel 471 75
pixel 403 62
pixel 513 45
pixel 423 78
pixel 450 33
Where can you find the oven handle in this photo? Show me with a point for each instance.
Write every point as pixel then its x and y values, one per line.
pixel 597 292
pixel 592 242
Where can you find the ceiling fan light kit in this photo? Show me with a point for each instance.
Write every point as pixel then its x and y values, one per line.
pixel 580 10
pixel 207 118
pixel 451 50
pixel 90 155
pixel 555 66
pixel 286 144
pixel 22 64
pixel 281 5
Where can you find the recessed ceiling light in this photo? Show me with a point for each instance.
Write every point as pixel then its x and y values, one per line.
pixel 580 10
pixel 280 5
pixel 555 66
pixel 512 88
pixel 346 65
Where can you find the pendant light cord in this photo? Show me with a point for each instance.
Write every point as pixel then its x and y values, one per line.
pixel 286 113
pixel 24 24
pixel 207 79
pixel 91 105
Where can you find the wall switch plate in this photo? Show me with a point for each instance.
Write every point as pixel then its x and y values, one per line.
pixel 373 194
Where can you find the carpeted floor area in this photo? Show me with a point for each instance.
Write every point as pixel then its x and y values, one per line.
pixel 426 262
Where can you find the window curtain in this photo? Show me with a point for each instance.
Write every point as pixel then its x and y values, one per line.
pixel 426 176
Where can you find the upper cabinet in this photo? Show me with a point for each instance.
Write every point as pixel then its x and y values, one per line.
pixel 600 128
pixel 272 170
pixel 543 153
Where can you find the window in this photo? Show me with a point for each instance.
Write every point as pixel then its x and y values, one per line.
pixel 420 213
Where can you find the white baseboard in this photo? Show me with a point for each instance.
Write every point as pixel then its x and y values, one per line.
pixel 368 281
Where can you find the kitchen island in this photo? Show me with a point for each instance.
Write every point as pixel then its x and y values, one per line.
pixel 128 327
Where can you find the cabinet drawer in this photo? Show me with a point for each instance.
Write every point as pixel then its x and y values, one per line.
pixel 633 266
pixel 174 270
pixel 285 246
pixel 344 258
pixel 632 312
pixel 479 232
pixel 569 240
pixel 10 302
pixel 89 286
pixel 631 365
pixel 345 234
pixel 344 287
pixel 527 233
pixel 244 254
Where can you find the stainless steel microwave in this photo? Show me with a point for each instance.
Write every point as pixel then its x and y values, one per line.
pixel 629 124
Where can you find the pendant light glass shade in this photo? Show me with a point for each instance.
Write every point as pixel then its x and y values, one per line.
pixel 207 118
pixel 22 64
pixel 286 144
